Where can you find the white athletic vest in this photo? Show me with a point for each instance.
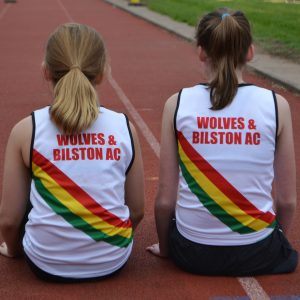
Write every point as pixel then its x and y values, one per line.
pixel 226 166
pixel 79 225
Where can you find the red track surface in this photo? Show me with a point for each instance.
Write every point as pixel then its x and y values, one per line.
pixel 149 65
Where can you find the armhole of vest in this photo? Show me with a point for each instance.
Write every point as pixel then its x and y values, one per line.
pixel 276 117
pixel 175 113
pixel 132 145
pixel 32 142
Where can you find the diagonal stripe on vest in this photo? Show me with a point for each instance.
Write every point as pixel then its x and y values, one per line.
pixel 77 207
pixel 220 197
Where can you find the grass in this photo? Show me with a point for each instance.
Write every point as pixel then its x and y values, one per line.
pixel 275 24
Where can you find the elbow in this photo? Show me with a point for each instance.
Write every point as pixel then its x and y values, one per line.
pixel 137 216
pixel 166 199
pixel 164 207
pixel 287 205
pixel 291 206
pixel 8 222
pixel 7 225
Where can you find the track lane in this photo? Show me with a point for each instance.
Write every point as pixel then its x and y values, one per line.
pixel 155 66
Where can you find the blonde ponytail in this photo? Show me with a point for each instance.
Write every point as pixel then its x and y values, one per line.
pixel 75 58
pixel 75 106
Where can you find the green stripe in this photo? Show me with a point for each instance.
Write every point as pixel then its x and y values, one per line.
pixel 273 224
pixel 214 208
pixel 77 221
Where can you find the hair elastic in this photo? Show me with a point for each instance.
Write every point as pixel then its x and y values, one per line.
pixel 225 15
pixel 75 67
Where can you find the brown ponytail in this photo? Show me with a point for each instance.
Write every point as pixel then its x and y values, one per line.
pixel 75 58
pixel 226 38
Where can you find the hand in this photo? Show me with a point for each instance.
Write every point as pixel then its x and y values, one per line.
pixel 4 250
pixel 155 250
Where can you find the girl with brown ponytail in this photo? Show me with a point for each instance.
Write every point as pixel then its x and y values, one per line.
pixel 224 146
pixel 81 165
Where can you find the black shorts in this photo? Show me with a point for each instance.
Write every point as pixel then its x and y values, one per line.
pixel 272 255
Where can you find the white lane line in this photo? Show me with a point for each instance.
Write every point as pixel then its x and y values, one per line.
pixel 251 286
pixel 65 11
pixel 4 10
pixel 147 133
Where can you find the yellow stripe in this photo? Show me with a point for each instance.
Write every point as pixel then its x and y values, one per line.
pixel 76 207
pixel 221 199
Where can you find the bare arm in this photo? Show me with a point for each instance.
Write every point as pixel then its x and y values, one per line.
pixel 134 186
pixel 168 180
pixel 16 185
pixel 285 168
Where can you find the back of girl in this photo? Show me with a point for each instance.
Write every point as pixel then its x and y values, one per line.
pixel 82 165
pixel 229 138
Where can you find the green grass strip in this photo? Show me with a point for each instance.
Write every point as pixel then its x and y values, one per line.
pixel 275 25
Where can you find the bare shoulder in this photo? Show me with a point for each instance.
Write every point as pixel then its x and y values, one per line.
pixel 169 109
pixel 284 113
pixel 282 103
pixel 20 138
pixel 171 102
pixel 22 130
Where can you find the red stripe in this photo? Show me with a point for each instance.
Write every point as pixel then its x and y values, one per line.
pixel 222 184
pixel 79 194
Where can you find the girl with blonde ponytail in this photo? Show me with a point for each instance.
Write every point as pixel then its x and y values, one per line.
pixel 75 59
pixel 82 166
pixel 232 141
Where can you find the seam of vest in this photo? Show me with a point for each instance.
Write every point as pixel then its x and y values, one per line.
pixel 32 142
pixel 175 113
pixel 239 85
pixel 132 145
pixel 276 117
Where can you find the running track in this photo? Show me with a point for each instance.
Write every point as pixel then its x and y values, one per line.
pixel 148 65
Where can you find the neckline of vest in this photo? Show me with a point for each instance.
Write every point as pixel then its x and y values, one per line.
pixel 239 85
